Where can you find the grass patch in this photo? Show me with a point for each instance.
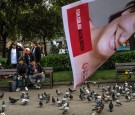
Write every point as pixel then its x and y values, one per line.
pixel 103 75
pixel 99 75
pixel 64 76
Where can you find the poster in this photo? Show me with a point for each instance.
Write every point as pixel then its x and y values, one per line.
pixel 91 43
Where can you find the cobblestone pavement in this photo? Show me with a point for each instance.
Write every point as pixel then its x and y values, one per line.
pixel 77 107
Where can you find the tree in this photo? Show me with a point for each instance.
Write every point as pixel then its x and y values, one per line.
pixel 10 13
pixel 31 19
pixel 8 18
pixel 44 21
pixel 41 22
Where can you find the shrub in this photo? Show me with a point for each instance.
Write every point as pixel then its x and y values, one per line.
pixel 58 61
pixel 119 57
pixel 3 62
pixel 61 62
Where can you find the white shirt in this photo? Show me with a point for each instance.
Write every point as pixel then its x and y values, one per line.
pixel 13 56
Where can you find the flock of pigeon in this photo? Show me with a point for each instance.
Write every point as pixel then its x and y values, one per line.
pixel 108 96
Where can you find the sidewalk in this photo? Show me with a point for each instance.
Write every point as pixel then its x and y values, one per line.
pixel 77 107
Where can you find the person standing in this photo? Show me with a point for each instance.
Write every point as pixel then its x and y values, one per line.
pixel 36 52
pixel 13 55
pixel 28 56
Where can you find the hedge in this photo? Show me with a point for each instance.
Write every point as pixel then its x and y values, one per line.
pixel 61 62
pixel 58 61
pixel 119 57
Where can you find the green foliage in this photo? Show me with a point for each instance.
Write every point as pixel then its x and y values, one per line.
pixel 3 62
pixel 59 62
pixel 62 62
pixel 119 57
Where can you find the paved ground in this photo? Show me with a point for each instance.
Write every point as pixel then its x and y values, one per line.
pixel 77 107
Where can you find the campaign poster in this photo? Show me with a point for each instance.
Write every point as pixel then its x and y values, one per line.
pixel 94 30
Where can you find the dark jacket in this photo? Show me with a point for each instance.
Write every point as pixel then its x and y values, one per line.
pixel 32 69
pixel 37 54
pixel 21 69
pixel 9 55
pixel 28 58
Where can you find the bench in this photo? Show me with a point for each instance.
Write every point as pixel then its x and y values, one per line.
pixel 8 73
pixel 121 68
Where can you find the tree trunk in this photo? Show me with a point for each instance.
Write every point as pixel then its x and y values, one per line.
pixel 45 49
pixel 4 46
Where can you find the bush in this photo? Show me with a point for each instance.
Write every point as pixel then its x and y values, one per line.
pixel 3 62
pixel 58 61
pixel 61 62
pixel 119 57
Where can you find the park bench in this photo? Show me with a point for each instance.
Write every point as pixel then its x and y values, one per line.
pixel 121 68
pixel 8 73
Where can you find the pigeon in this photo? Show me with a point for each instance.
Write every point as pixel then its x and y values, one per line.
pixel 59 102
pixel 118 102
pixel 113 97
pixel 82 97
pixel 40 97
pixel 64 98
pixel 71 96
pixel 98 109
pixel 2 95
pixel 47 99
pixel 127 97
pixel 89 98
pixel 99 103
pixel 81 91
pixel 67 93
pixel 25 101
pixel 88 86
pixel 53 100
pixel 64 105
pixel 66 109
pixel 118 94
pixel 70 90
pixel 40 103
pixel 24 95
pixel 2 113
pixel 3 106
pixel 94 83
pixel 45 94
pixel 111 106
pixel 93 113
pixel 58 92
pixel 133 94
pixel 12 100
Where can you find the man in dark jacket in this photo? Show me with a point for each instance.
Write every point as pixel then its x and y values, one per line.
pixel 13 55
pixel 21 73
pixel 36 52
pixel 36 74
